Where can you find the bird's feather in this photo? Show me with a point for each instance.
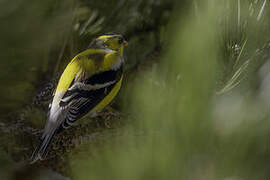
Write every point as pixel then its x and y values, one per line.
pixel 84 96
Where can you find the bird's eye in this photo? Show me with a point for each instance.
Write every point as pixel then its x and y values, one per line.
pixel 120 41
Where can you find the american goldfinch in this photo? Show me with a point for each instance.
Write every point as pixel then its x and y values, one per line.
pixel 90 82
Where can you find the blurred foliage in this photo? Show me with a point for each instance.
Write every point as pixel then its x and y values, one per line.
pixel 185 126
pixel 28 31
pixel 195 102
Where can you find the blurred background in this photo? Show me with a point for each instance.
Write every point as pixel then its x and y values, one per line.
pixel 194 104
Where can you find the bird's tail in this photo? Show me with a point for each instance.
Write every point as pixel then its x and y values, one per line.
pixel 42 149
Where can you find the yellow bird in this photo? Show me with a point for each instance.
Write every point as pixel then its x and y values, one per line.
pixel 90 82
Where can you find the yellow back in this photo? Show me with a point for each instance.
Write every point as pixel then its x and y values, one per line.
pixel 84 65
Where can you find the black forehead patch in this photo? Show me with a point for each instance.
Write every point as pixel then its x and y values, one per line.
pixel 99 43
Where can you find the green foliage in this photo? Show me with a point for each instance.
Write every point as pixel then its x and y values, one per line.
pixel 28 31
pixel 195 102
pixel 182 129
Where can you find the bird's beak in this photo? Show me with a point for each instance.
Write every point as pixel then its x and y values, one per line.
pixel 125 43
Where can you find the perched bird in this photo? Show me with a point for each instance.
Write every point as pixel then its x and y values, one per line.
pixel 90 82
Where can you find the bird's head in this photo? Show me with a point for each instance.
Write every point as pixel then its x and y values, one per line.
pixel 113 41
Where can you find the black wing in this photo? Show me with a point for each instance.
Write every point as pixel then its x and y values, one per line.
pixel 84 96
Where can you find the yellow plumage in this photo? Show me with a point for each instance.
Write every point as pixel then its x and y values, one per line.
pixel 82 63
